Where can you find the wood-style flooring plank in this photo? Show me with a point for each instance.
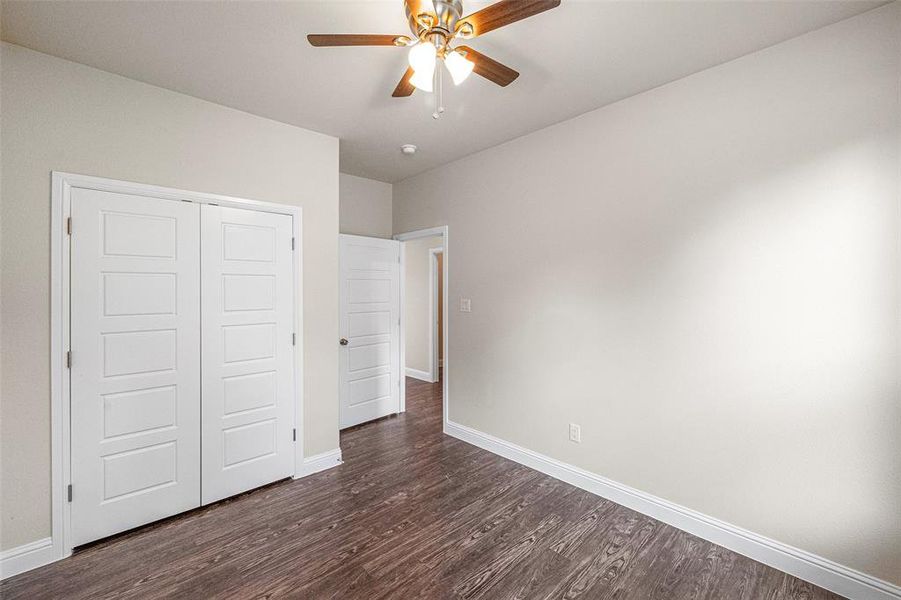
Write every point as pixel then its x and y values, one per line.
pixel 411 514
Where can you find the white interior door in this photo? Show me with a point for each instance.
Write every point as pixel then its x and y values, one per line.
pixel 248 353
pixel 135 378
pixel 369 328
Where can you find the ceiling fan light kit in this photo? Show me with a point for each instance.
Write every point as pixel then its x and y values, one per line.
pixel 436 24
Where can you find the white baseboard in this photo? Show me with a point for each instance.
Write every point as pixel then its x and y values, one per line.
pixel 421 375
pixel 41 552
pixel 26 557
pixel 319 462
pixel 804 565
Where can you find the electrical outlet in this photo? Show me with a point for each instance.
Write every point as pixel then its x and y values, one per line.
pixel 465 305
pixel 575 433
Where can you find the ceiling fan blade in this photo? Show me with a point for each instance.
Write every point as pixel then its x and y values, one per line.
pixel 404 87
pixel 506 12
pixel 489 68
pixel 351 39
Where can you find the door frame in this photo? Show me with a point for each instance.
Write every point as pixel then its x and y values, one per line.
pixel 405 237
pixel 60 385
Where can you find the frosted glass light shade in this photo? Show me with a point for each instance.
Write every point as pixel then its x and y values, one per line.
pixel 459 67
pixel 423 81
pixel 422 57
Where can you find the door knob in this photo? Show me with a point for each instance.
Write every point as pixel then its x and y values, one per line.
pixel 343 342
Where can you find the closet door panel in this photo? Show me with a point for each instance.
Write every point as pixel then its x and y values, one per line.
pixel 135 341
pixel 247 338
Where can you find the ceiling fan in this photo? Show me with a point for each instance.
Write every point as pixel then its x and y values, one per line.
pixel 436 25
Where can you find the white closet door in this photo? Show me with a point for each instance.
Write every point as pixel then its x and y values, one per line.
pixel 369 312
pixel 247 337
pixel 135 396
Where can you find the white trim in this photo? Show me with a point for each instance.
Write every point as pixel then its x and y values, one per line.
pixel 804 565
pixel 443 231
pixel 155 191
pixel 298 338
pixel 60 209
pixel 420 375
pixel 319 462
pixel 421 233
pixel 445 322
pixel 402 331
pixel 27 557
pixel 60 205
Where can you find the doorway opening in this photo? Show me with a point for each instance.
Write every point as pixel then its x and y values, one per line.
pixel 423 259
pixel 392 323
pixel 424 314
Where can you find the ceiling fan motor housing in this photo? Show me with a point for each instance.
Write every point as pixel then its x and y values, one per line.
pixel 447 13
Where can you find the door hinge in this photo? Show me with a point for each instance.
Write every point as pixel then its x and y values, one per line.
pixel 292 243
pixel 294 435
pixel 69 225
pixel 68 359
pixel 293 339
pixel 69 492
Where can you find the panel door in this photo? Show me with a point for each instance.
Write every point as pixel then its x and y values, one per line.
pixel 248 352
pixel 369 359
pixel 135 378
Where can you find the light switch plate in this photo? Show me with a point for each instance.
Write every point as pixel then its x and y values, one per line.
pixel 465 305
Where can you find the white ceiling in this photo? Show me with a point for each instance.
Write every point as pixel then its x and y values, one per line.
pixel 253 56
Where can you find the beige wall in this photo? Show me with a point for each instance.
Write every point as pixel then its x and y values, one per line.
pixel 58 115
pixel 417 321
pixel 706 277
pixel 365 206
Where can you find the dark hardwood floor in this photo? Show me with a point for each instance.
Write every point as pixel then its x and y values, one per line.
pixel 411 514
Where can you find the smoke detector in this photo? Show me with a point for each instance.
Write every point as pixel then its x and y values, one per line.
pixel 408 149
